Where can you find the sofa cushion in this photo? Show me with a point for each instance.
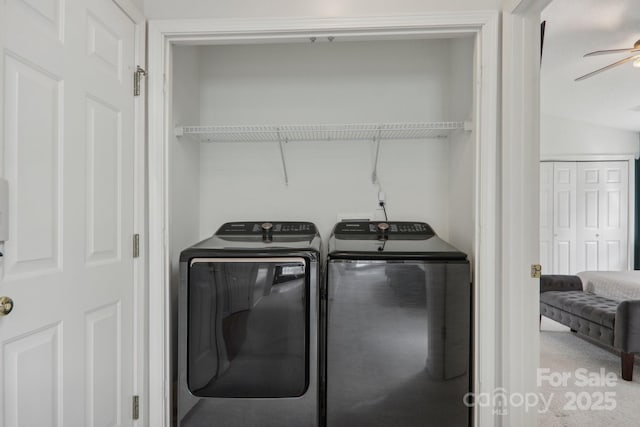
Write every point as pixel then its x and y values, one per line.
pixel 592 307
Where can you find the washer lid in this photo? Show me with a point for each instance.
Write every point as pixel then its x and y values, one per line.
pixel 389 240
pixel 391 230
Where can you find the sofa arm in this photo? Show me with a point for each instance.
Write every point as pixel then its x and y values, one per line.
pixel 627 326
pixel 559 282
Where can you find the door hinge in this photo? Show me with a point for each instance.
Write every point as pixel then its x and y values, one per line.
pixel 135 407
pixel 136 245
pixel 137 76
pixel 536 271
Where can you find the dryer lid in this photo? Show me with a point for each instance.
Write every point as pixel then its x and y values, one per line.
pixel 248 231
pixel 259 238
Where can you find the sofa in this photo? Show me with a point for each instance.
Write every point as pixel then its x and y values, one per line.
pixel 613 322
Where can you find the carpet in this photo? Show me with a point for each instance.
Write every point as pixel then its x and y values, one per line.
pixel 592 393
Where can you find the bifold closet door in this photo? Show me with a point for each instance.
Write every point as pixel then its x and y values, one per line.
pixel 564 217
pixel 546 217
pixel 603 210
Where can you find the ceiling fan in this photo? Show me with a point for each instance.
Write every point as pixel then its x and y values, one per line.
pixel 635 57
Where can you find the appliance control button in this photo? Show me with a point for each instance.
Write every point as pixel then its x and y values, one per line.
pixel 383 226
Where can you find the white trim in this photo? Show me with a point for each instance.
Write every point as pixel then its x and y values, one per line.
pixel 486 226
pixel 132 11
pixel 588 157
pixel 159 365
pixel 270 29
pixel 140 331
pixel 520 200
pixel 485 25
pixel 529 8
pixel 520 203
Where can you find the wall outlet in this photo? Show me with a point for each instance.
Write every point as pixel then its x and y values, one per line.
pixel 381 196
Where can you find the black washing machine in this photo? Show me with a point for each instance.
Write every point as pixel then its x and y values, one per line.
pixel 398 327
pixel 248 327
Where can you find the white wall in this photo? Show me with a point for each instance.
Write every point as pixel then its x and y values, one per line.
pixel 329 83
pixel 565 137
pixel 184 179
pixel 139 4
pixel 184 175
pixel 462 147
pixel 167 9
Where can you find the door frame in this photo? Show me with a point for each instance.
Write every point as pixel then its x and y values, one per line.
pixel 484 25
pixel 140 331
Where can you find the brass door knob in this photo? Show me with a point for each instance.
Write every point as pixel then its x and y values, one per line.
pixel 6 305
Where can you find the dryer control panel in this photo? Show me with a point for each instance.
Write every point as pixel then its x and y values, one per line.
pixel 267 227
pixel 397 230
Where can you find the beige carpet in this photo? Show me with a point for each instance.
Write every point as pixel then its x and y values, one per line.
pixel 563 352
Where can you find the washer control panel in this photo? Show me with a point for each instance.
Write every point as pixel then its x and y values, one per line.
pixel 270 227
pixel 393 229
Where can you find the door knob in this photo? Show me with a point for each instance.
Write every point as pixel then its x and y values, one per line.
pixel 6 305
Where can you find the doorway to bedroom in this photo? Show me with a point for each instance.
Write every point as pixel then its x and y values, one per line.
pixel 589 146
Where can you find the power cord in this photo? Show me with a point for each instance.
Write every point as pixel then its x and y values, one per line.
pixel 384 210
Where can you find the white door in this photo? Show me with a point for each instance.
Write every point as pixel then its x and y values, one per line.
pixel 603 193
pixel 546 217
pixel 66 350
pixel 564 217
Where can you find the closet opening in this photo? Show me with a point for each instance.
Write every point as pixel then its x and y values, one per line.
pixel 318 126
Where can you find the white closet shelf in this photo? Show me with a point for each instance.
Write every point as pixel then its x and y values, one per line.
pixel 323 132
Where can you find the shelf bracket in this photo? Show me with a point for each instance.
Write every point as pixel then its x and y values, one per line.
pixel 284 162
pixel 374 174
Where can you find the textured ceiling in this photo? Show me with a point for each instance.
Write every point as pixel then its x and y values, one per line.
pixel 573 28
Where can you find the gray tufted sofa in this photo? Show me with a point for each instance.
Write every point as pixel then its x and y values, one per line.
pixel 612 322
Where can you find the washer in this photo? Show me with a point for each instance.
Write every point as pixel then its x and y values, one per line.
pixel 248 327
pixel 398 328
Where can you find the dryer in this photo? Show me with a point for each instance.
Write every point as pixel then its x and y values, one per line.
pixel 398 327
pixel 248 327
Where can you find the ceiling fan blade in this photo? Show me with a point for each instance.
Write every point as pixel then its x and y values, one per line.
pixel 606 52
pixel 615 64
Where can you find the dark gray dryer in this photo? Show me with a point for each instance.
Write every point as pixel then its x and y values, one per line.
pixel 398 327
pixel 248 327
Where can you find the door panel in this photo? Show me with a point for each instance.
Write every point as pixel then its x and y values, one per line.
pixel 104 146
pixel 103 359
pixel 602 233
pixel 591 211
pixel 44 16
pixel 612 255
pixel 591 254
pixel 564 225
pixel 32 95
pixel 546 216
pixel 614 233
pixel 68 156
pixel 32 373
pixel 613 209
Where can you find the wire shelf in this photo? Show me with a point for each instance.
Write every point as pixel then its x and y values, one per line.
pixel 333 132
